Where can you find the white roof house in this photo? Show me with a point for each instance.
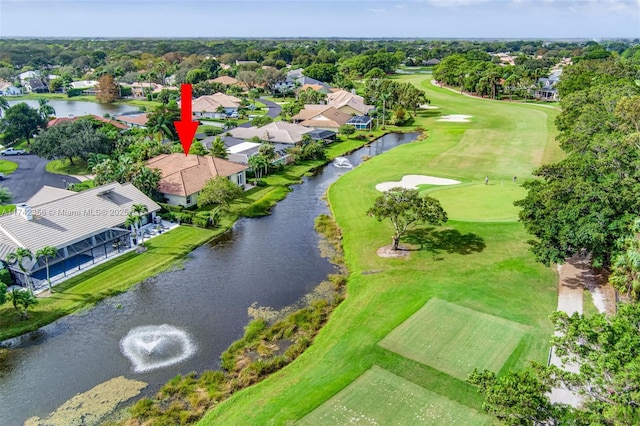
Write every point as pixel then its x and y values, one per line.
pixel 82 226
pixel 275 132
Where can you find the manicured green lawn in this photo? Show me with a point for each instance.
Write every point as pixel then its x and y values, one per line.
pixel 64 167
pixel 479 202
pixel 379 397
pixel 477 264
pixel 107 279
pixel 8 167
pixel 468 339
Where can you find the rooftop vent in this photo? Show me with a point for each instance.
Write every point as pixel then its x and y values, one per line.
pixel 25 211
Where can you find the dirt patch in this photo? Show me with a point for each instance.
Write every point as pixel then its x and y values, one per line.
pixel 388 251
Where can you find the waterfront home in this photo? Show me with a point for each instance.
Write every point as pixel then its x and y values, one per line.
pixel 224 79
pixel 8 89
pixel 321 117
pixel 348 102
pixel 35 85
pixel 114 123
pixel 134 120
pixel 360 122
pixel 183 176
pixel 85 227
pixel 141 89
pixel 275 132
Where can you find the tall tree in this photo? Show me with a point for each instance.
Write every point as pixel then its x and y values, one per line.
pixel 108 90
pixel 220 191
pixel 405 208
pixel 45 109
pixel 218 148
pixel 20 121
pixel 75 139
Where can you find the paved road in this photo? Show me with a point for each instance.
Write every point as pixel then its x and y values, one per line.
pixel 273 112
pixel 30 177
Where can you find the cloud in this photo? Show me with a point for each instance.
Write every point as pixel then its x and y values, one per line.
pixel 378 12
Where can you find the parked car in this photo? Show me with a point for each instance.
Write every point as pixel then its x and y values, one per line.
pixel 12 151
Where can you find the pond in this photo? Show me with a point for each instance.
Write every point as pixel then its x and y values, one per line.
pixel 79 108
pixel 272 261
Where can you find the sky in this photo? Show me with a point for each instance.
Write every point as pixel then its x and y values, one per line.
pixel 549 19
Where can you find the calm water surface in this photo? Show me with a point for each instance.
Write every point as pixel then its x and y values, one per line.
pixel 273 261
pixel 79 108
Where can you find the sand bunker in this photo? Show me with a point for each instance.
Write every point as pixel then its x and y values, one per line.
pixel 412 182
pixel 457 118
pixel 426 106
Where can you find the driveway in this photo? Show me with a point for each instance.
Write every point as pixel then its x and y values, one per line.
pixel 273 112
pixel 30 177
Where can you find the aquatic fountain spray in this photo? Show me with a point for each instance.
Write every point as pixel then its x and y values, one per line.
pixel 156 346
pixel 342 162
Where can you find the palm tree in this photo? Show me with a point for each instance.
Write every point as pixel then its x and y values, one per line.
pixel 132 222
pixel 44 109
pixel 218 149
pixel 18 257
pixel 140 210
pixel 46 253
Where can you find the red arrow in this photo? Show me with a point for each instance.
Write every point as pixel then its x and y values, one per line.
pixel 186 127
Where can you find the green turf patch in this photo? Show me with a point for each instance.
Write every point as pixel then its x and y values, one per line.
pixel 454 339
pixel 379 397
pixel 480 202
pixel 7 166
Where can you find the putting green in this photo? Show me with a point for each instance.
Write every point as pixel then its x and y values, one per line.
pixel 379 397
pixel 454 339
pixel 480 202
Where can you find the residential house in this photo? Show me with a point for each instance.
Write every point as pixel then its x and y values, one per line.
pixel 210 106
pixel 225 79
pixel 138 120
pixel 276 132
pixel 88 87
pixel 361 122
pixel 326 136
pixel 183 176
pixel 114 123
pixel 35 85
pixel 546 89
pixel 141 89
pixel 348 102
pixel 8 89
pixel 317 87
pixel 321 117
pixel 27 75
pixel 85 227
pixel 431 62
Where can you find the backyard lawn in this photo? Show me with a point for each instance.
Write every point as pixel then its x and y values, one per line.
pixel 477 268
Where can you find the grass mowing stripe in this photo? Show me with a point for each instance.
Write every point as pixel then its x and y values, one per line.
pixel 381 397
pixel 455 339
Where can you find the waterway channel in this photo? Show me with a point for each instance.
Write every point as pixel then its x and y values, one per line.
pixel 272 261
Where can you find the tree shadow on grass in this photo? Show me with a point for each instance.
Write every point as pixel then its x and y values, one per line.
pixel 446 240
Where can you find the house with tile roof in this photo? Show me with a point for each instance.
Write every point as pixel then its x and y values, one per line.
pixel 8 89
pixel 114 123
pixel 274 132
pixel 133 120
pixel 210 105
pixel 225 79
pixel 140 89
pixel 85 227
pixel 183 176
pixel 348 102
pixel 321 117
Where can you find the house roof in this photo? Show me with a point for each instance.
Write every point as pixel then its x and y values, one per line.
pixel 114 123
pixel 59 221
pixel 225 79
pixel 327 116
pixel 210 103
pixel 321 134
pixel 84 84
pixel 359 119
pixel 276 132
pixel 139 119
pixel 47 194
pixel 5 85
pixel 343 98
pixel 316 87
pixel 186 174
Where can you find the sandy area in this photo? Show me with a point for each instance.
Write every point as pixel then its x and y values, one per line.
pixel 412 182
pixel 456 118
pixel 426 106
pixel 387 251
pixel 90 407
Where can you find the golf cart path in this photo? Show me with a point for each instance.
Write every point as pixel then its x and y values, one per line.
pixel 575 276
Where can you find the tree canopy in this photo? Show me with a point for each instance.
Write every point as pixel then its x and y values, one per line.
pixel 71 139
pixel 220 191
pixel 405 208
pixel 20 121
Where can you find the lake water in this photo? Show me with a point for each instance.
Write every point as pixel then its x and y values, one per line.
pixel 272 261
pixel 79 108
